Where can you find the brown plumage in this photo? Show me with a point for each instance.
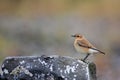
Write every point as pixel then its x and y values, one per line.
pixel 81 44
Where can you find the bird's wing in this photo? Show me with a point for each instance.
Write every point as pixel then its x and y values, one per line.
pixel 86 44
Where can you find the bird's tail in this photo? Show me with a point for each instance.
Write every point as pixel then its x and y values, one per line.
pixel 98 51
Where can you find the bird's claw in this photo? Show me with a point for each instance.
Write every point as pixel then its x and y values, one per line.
pixel 85 61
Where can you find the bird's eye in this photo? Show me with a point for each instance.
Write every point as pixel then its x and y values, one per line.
pixel 77 35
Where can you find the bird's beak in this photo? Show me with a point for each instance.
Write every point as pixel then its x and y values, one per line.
pixel 72 35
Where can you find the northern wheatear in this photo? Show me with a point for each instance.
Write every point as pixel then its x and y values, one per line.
pixel 81 44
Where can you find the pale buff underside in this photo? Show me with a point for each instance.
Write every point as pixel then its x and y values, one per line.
pixel 80 49
pixel 84 50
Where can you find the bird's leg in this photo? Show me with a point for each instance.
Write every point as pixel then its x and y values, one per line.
pixel 86 57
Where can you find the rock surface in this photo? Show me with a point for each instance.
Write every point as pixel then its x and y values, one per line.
pixel 47 68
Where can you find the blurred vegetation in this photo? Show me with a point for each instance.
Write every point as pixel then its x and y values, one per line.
pixel 53 7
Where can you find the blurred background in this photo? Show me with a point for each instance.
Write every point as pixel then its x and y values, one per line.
pixel 44 27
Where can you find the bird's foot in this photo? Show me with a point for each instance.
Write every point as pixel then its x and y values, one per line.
pixel 85 61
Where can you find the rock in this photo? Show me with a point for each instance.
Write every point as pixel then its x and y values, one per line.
pixel 47 68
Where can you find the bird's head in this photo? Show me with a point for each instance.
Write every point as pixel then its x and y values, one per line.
pixel 77 36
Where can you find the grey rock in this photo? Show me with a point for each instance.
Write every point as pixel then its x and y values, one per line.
pixel 47 68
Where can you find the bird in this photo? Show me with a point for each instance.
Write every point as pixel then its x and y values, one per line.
pixel 82 45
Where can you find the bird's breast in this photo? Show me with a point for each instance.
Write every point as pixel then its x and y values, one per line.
pixel 80 49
